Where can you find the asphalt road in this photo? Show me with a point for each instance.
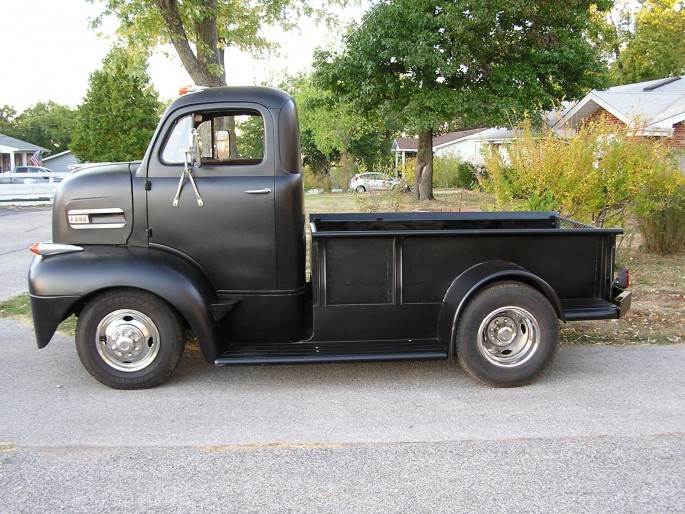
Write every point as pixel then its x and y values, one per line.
pixel 19 229
pixel 602 431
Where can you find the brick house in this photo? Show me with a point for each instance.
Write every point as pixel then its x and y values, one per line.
pixel 655 108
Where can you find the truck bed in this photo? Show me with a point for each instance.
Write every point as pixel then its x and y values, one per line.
pixel 397 267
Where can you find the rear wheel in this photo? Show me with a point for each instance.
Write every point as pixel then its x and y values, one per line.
pixel 360 189
pixel 129 339
pixel 507 335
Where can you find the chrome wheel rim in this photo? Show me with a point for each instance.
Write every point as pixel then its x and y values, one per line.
pixel 508 336
pixel 127 340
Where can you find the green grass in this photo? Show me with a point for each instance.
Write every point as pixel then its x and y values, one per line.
pixel 19 307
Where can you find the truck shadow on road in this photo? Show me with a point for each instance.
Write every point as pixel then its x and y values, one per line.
pixel 193 369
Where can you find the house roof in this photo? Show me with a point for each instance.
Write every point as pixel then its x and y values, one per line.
pixel 453 137
pixel 404 144
pixel 654 106
pixel 18 145
pixel 65 152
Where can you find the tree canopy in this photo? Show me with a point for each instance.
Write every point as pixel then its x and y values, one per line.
pixel 119 114
pixel 641 40
pixel 656 48
pixel 463 64
pixel 201 30
pixel 45 124
pixel 332 133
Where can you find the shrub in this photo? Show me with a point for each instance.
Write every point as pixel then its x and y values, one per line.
pixel 313 180
pixel 660 216
pixel 593 176
pixel 451 172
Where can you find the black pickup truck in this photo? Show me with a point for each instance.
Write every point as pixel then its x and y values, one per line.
pixel 207 233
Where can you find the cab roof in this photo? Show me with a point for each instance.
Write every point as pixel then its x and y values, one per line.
pixel 268 97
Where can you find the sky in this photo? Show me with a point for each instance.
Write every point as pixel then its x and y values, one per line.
pixel 48 52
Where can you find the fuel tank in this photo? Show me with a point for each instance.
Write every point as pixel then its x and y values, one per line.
pixel 94 205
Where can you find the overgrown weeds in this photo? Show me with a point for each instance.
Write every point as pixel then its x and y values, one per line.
pixel 597 175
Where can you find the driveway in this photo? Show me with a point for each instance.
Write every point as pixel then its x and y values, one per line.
pixel 20 228
pixel 602 430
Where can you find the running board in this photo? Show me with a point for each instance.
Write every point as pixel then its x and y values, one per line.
pixel 330 352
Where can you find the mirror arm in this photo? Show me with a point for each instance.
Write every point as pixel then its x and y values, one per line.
pixel 192 158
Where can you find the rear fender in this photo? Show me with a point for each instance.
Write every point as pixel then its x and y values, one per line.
pixel 59 284
pixel 466 285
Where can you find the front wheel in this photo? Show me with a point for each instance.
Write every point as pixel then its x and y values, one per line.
pixel 129 339
pixel 507 335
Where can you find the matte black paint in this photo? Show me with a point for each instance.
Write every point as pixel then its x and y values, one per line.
pixel 388 281
pixel 101 267
pixel 384 286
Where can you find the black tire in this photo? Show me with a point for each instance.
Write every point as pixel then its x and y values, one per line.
pixel 129 339
pixel 507 335
pixel 360 189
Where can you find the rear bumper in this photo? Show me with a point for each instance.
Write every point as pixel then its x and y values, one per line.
pixel 586 309
pixel 623 301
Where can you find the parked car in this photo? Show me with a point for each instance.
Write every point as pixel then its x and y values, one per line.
pixel 29 175
pixel 374 181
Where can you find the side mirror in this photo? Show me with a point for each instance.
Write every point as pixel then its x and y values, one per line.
pixel 223 148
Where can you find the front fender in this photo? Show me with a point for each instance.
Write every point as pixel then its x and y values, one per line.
pixel 59 283
pixel 466 285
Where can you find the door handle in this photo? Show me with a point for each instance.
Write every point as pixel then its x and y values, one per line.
pixel 264 191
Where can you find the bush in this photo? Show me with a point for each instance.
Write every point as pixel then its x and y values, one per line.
pixel 660 217
pixel 593 176
pixel 313 180
pixel 450 172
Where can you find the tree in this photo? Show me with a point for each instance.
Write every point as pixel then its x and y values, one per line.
pixel 7 116
pixel 462 64
pixel 332 134
pixel 201 30
pixel 46 124
pixel 656 48
pixel 119 114
pixel 641 40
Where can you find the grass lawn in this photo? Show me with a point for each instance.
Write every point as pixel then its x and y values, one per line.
pixel 657 315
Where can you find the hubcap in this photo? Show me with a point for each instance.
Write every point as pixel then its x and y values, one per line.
pixel 508 336
pixel 127 340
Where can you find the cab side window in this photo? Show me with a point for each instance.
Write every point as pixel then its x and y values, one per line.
pixel 178 141
pixel 225 138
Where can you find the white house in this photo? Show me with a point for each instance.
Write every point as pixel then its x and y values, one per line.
pixel 468 145
pixel 15 152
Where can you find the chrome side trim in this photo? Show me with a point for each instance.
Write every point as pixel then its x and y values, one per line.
pixel 82 219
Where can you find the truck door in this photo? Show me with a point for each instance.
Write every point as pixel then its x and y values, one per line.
pixel 231 235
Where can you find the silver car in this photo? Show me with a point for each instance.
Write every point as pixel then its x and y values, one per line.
pixel 29 175
pixel 372 181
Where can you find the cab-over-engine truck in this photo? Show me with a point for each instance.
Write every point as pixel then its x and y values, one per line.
pixel 207 232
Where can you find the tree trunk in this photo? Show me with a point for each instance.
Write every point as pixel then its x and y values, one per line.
pixel 203 63
pixel 423 189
